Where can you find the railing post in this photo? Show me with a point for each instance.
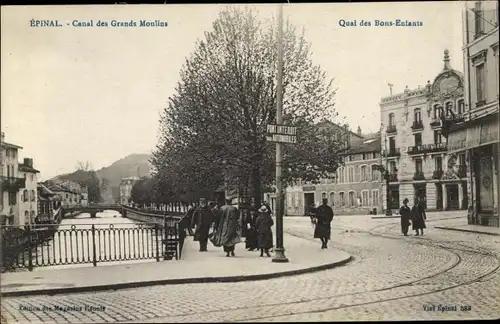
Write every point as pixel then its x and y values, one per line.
pixel 30 248
pixel 94 258
pixel 157 243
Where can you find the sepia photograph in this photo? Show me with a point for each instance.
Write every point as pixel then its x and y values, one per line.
pixel 281 162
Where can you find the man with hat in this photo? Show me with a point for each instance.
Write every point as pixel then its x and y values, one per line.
pixel 227 232
pixel 203 219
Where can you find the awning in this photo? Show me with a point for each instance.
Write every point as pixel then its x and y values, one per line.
pixel 473 136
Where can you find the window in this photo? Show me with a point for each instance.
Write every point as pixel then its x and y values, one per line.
pixel 437 111
pixel 332 198
pixel 12 198
pixel 364 198
pixel 448 108
pixel 32 177
pixel 357 175
pixel 350 175
pixel 392 167
pixel 374 155
pixel 418 139
pixel 67 196
pixel 32 216
pixel 480 83
pixel 341 175
pixel 417 115
pixel 391 119
pixel 25 195
pixel 352 199
pixel 33 196
pixel 375 197
pixel 418 166
pixel 26 217
pixel 392 144
pixel 460 106
pixel 461 159
pixel 438 139
pixel 375 173
pixel 323 196
pixel 363 173
pixel 342 199
pixel 478 20
pixel 438 163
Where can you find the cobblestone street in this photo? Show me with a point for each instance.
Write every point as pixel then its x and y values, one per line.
pixel 392 278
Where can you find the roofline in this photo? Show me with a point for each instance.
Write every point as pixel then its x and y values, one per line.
pixel 31 169
pixel 11 145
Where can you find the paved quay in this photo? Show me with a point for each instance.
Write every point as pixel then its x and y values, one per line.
pixel 195 267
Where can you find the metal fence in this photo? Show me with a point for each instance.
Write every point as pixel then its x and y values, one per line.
pixel 54 245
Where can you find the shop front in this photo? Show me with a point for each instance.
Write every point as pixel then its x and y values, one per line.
pixel 479 139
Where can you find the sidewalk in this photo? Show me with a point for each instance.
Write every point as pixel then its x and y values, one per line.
pixel 195 267
pixel 472 229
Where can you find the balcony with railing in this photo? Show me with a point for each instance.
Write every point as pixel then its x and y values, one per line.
pixel 12 184
pixel 417 125
pixel 393 152
pixel 427 148
pixel 418 176
pixel 437 174
pixel 455 118
pixel 391 129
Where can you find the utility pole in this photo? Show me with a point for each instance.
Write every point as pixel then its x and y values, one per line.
pixel 279 255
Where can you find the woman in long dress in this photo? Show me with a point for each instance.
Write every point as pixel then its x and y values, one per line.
pixel 418 217
pixel 264 223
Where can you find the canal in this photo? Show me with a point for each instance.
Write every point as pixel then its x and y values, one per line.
pixel 107 239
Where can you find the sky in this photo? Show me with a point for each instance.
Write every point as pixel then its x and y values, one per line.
pixel 73 94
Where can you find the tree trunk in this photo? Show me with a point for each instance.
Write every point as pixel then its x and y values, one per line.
pixel 255 180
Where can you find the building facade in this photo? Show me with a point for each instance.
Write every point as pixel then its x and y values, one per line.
pixel 11 183
pixel 414 148
pixel 125 188
pixel 477 136
pixel 28 204
pixel 354 189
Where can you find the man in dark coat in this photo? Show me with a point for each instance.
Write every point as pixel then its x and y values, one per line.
pixel 204 218
pixel 418 216
pixel 228 230
pixel 324 216
pixel 263 223
pixel 405 213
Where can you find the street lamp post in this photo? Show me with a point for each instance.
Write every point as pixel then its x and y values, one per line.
pixel 279 255
pixel 388 211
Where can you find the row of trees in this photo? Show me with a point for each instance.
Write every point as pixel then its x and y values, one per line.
pixel 213 132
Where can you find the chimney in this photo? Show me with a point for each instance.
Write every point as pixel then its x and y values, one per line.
pixel 446 60
pixel 28 162
pixel 359 130
pixel 3 137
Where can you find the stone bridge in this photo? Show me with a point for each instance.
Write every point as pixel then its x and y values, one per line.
pixel 92 209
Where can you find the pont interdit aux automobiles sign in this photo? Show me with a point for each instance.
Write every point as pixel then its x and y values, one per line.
pixel 281 134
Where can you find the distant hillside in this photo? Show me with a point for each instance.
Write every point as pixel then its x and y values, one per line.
pixel 132 165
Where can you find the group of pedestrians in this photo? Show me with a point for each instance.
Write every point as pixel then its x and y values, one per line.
pixel 415 216
pixel 222 227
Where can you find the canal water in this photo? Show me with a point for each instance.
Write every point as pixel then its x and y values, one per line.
pixel 115 240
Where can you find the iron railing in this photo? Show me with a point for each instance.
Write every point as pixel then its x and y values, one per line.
pixel 12 184
pixel 391 129
pixel 55 245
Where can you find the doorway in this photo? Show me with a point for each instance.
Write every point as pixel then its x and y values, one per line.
pixel 484 180
pixel 308 202
pixel 452 197
pixel 439 196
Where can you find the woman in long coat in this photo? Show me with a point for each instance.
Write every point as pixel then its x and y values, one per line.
pixel 250 230
pixel 405 213
pixel 264 223
pixel 418 217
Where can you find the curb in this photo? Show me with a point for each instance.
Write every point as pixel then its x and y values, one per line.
pixel 128 285
pixel 382 217
pixel 465 230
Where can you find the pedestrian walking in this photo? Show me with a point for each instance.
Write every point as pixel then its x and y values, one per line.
pixel 418 216
pixel 264 223
pixel 227 232
pixel 250 229
pixel 322 230
pixel 405 213
pixel 204 218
